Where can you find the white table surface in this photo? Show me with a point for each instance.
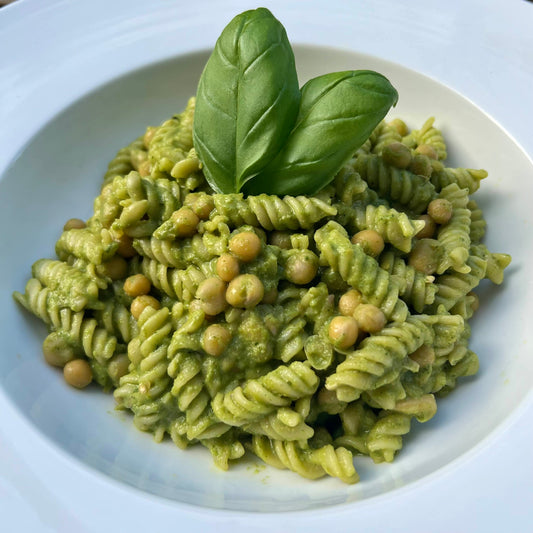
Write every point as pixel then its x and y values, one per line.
pixel 481 48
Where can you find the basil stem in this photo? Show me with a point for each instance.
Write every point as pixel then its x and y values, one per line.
pixel 247 100
pixel 338 112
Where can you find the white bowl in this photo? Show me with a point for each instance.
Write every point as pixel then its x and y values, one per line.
pixel 58 174
pixel 99 73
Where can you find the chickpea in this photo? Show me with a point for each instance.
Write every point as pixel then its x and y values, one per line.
pixel 281 239
pixel 421 165
pixel 427 150
pixel 370 241
pixel 245 291
pixel 78 373
pixel 369 318
pixel 216 339
pixel 429 229
pixel 185 222
pixel 425 256
pixel 301 267
pixel 202 204
pixel 227 267
pixel 349 301
pixel 141 303
pixel 115 268
pixel 343 331
pixel 137 285
pixel 74 223
pixel 397 155
pixel 125 247
pixel 212 295
pixel 246 246
pixel 440 210
pixel 425 355
pixel 148 136
pixel 270 296
pixel 400 126
pixel 57 350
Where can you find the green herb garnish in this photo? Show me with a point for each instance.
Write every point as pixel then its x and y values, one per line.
pixel 253 128
pixel 247 100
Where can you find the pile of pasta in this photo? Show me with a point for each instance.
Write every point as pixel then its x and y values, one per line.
pixel 239 331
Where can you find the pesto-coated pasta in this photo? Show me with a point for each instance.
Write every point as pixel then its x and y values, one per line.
pixel 430 136
pixel 122 163
pixel 267 323
pixel 455 234
pixel 410 190
pixel 272 212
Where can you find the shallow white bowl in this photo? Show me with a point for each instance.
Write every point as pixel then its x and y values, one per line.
pixel 57 175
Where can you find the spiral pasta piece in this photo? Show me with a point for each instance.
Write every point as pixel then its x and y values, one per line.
pixel 388 395
pixel 291 339
pixel 121 164
pixel 95 342
pixel 74 333
pixel 284 424
pixel 309 463
pixel 378 359
pixel 40 301
pixel 259 397
pixel 93 245
pixel 453 286
pixel 465 178
pixel 178 255
pixel 145 390
pixel 465 306
pixel 477 222
pixel 359 270
pixel 455 235
pixel 117 320
pixel 428 135
pixel 171 141
pixel 272 212
pixel 412 191
pixel 147 205
pixel 186 370
pixel 192 397
pixel 224 449
pixel 385 438
pixel 179 284
pixel 496 263
pixel 357 420
pixel 416 288
pixel 184 168
pixel 107 206
pixel 383 135
pixel 422 408
pixel 351 188
pixel 446 327
pixel 71 287
pixel 394 227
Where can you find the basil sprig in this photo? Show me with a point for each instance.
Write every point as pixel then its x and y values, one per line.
pixel 253 129
pixel 338 112
pixel 247 100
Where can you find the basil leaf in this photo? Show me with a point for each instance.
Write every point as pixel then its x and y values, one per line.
pixel 338 112
pixel 247 100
